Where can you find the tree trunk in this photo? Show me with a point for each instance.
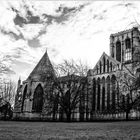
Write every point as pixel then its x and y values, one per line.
pixel 127 114
pixel 5 115
pixel 53 115
pixel 69 117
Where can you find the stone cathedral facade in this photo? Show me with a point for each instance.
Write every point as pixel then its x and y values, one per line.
pixel 31 101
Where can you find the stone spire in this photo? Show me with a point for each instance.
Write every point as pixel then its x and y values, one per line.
pixel 43 68
pixel 19 82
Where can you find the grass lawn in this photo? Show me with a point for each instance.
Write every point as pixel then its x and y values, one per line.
pixel 12 130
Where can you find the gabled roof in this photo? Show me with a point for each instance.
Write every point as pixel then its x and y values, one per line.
pixel 44 66
pixel 115 62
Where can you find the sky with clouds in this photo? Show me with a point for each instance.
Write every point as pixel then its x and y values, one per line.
pixel 66 29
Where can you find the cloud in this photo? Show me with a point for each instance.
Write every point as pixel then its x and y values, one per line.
pixel 29 25
pixel 78 30
pixel 28 19
pixel 34 43
pixel 11 34
pixel 5 70
pixel 4 67
pixel 64 14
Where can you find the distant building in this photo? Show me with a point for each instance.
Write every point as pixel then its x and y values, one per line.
pixel 100 96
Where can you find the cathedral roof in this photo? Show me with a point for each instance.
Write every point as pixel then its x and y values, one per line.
pixel 44 67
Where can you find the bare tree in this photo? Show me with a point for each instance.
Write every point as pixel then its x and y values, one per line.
pixel 128 97
pixel 7 96
pixel 69 86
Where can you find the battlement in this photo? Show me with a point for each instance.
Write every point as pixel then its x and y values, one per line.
pixel 124 32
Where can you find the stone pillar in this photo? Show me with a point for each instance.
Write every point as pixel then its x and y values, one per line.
pixel 110 94
pixel 96 97
pixel 105 94
pixel 101 88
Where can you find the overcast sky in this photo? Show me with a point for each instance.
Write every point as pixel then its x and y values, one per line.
pixel 78 30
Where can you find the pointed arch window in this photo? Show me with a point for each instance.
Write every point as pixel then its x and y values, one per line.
pixel 98 94
pixel 112 51
pixel 94 95
pixel 104 64
pixel 97 70
pixel 128 51
pixel 113 81
pixel 38 99
pixel 128 43
pixel 23 97
pixel 108 93
pixel 118 51
pixel 103 93
pixel 107 65
pixel 100 67
pixel 111 68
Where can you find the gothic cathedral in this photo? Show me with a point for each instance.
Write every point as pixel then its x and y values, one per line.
pixel 32 103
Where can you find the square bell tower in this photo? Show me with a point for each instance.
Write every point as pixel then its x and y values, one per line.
pixel 124 45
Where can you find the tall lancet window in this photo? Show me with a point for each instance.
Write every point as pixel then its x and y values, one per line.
pixel 23 98
pixel 38 99
pixel 118 51
pixel 112 51
pixel 128 52
pixel 100 67
pixel 104 64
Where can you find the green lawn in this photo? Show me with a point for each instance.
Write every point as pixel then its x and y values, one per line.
pixel 56 131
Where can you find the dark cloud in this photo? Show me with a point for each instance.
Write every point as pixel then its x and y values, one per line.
pixel 34 43
pixel 18 20
pixel 65 14
pixel 33 19
pixel 65 10
pixel 29 18
pixel 41 32
pixel 45 19
pixel 13 9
